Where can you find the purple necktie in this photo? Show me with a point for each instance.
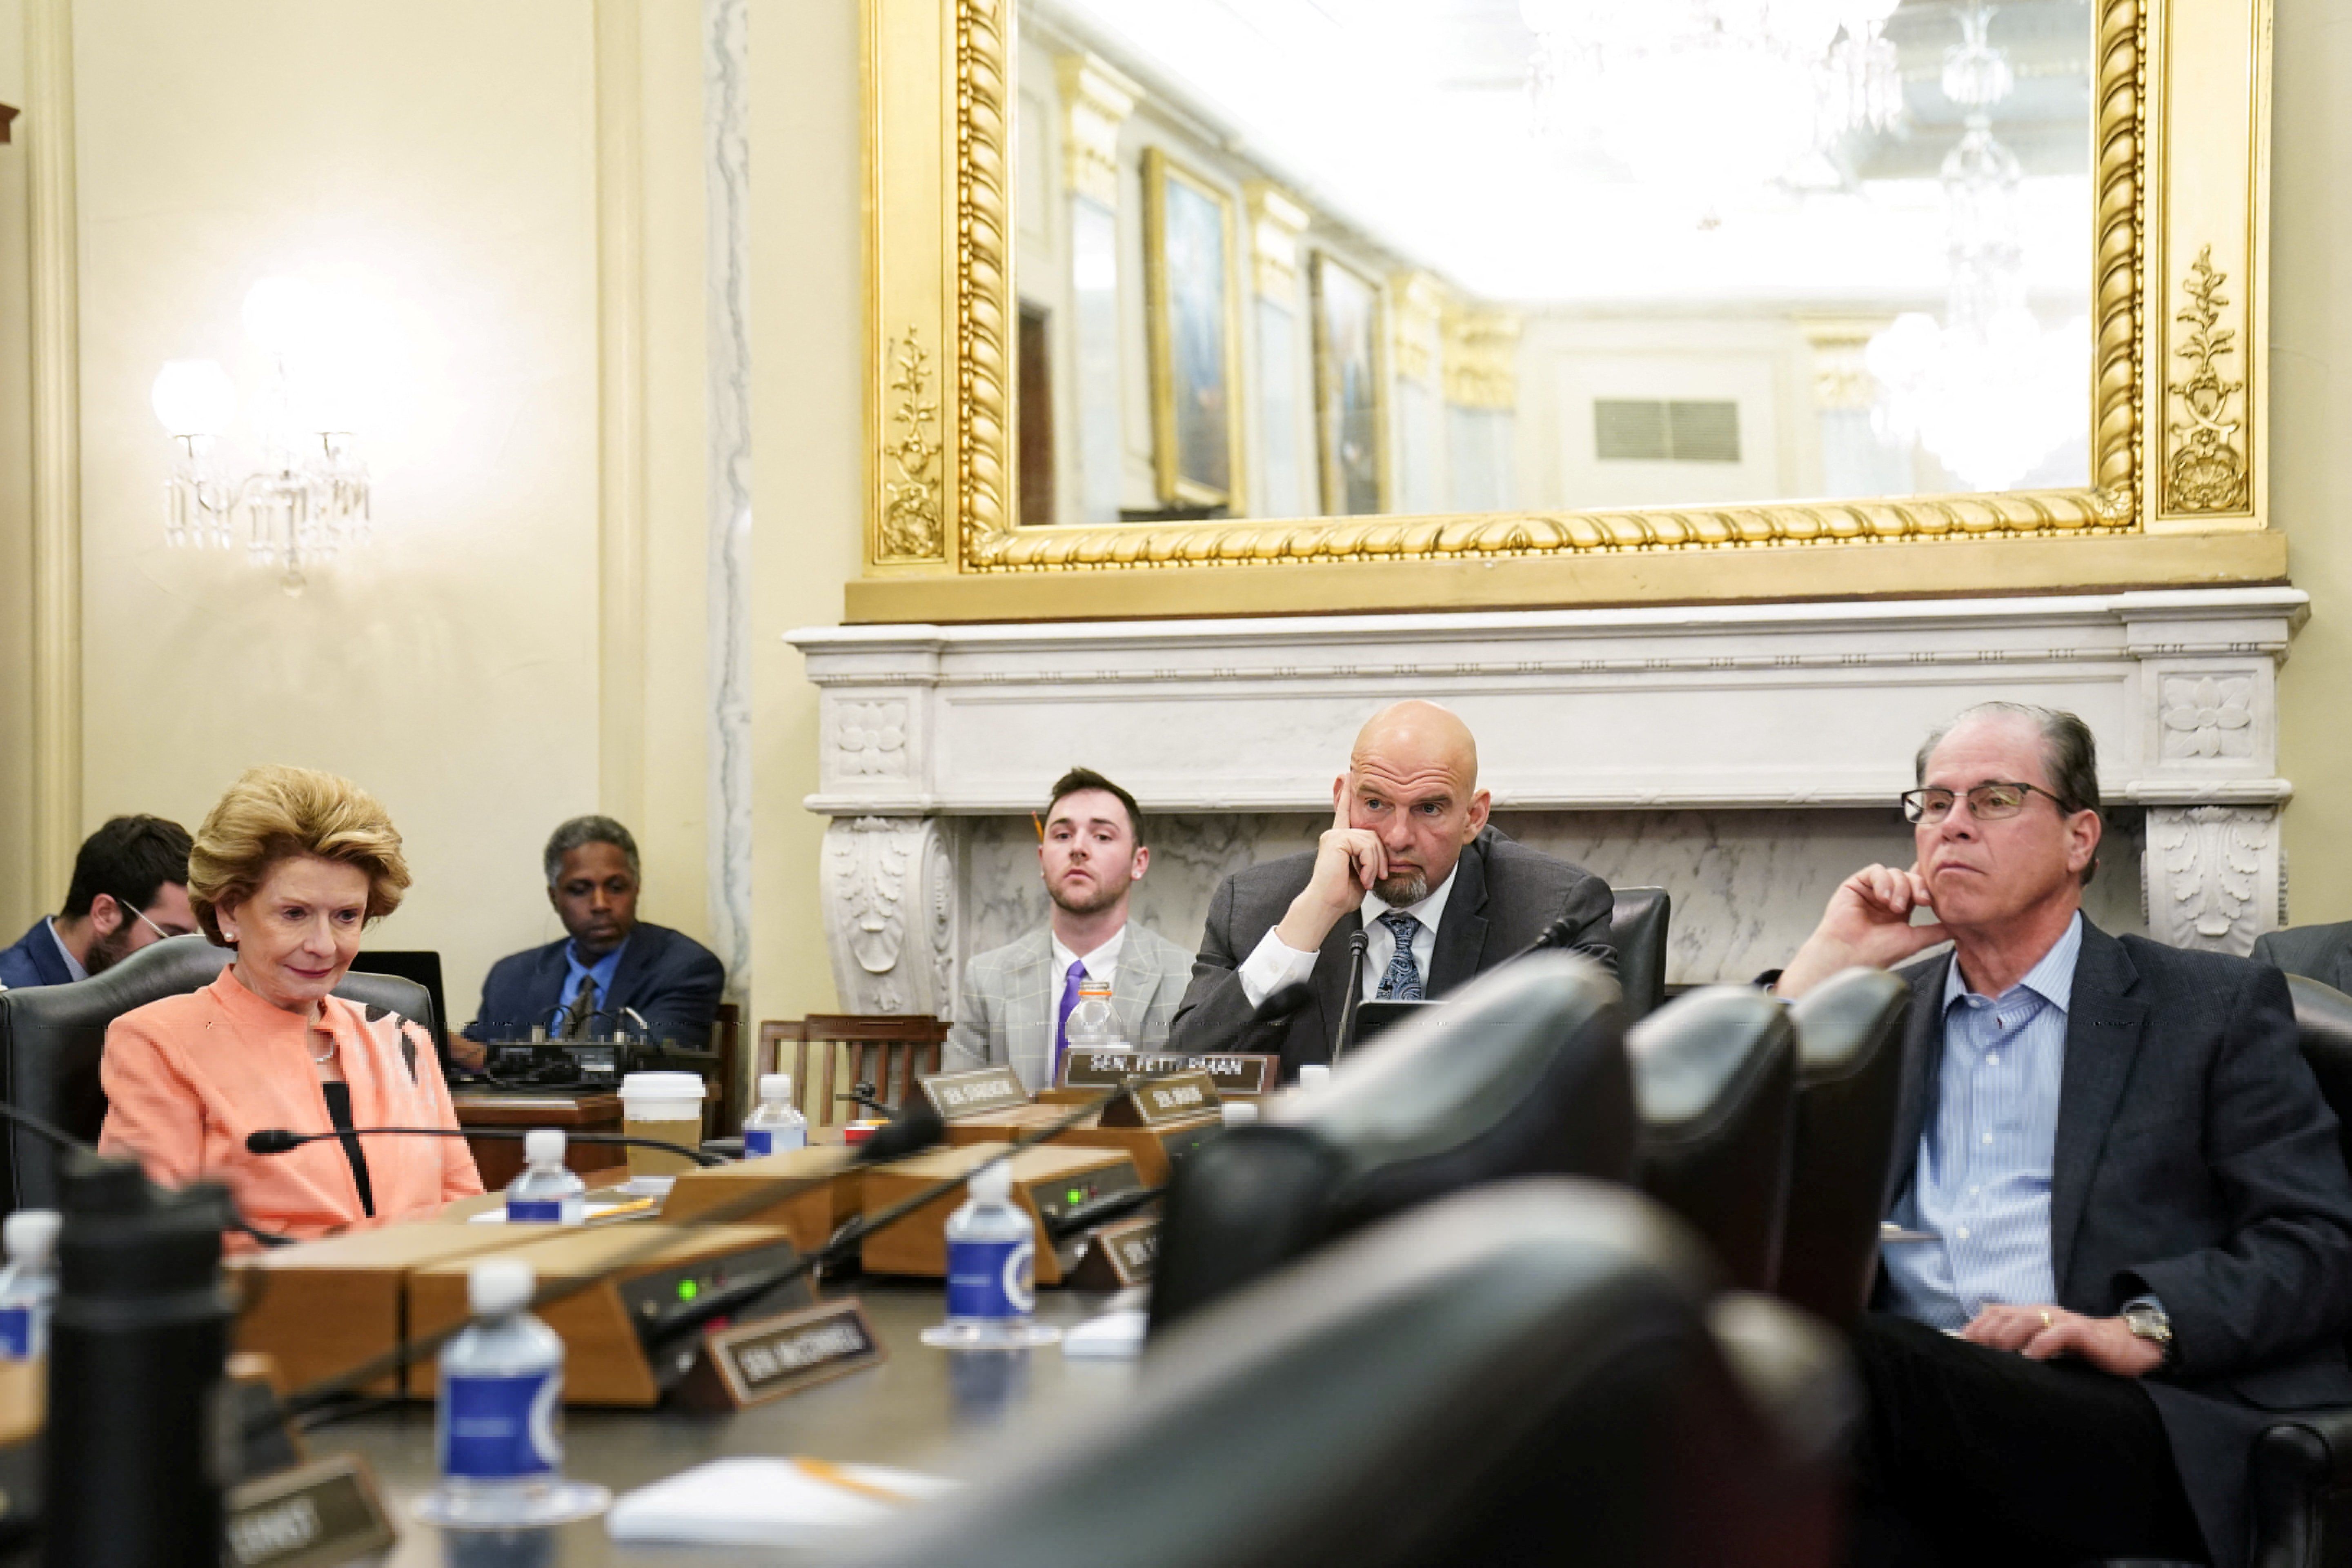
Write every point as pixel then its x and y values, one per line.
pixel 1069 1002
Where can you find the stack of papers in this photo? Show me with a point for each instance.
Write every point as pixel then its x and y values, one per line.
pixel 769 1502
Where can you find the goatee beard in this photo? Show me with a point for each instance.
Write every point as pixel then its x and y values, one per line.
pixel 1403 892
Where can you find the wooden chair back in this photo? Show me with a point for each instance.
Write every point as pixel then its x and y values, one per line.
pixel 889 1050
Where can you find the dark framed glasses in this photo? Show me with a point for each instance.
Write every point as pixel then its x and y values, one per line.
pixel 1988 801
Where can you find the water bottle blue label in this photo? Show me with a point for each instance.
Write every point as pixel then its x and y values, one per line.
pixel 500 1428
pixel 757 1141
pixel 991 1278
pixel 548 1211
pixel 16 1333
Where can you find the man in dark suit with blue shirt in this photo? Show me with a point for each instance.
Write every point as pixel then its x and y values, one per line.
pixel 609 966
pixel 2130 1222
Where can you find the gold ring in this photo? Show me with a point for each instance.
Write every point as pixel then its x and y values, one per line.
pixel 2046 1320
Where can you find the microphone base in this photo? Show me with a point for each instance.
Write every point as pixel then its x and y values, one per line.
pixel 991 1334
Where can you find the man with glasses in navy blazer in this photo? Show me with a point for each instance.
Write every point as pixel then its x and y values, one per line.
pixel 129 888
pixel 2129 1221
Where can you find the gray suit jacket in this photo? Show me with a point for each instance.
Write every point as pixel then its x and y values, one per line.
pixel 2194 1159
pixel 1503 895
pixel 1011 995
pixel 2316 953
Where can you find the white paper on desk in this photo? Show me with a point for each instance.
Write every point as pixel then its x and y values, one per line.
pixel 1114 1336
pixel 764 1502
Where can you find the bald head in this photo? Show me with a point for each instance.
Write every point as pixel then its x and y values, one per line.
pixel 1412 779
pixel 1418 738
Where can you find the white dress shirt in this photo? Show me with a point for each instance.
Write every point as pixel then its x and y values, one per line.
pixel 1102 963
pixel 73 964
pixel 1275 964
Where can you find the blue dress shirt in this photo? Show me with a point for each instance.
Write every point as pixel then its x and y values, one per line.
pixel 574 972
pixel 1981 1183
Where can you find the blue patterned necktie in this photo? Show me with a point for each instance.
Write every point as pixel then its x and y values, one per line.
pixel 1069 1005
pixel 1402 981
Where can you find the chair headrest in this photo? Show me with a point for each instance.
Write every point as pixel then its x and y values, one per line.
pixel 1845 1021
pixel 173 967
pixel 1502 1046
pixel 1496 1364
pixel 1696 1061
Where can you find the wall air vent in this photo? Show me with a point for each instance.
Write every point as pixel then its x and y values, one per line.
pixel 1646 430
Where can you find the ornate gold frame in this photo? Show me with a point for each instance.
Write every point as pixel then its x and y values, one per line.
pixel 1158 171
pixel 2179 389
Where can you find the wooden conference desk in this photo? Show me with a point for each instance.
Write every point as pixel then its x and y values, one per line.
pixel 923 1409
pixel 499 1159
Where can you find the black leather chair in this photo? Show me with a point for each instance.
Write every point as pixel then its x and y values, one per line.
pixel 1521 1073
pixel 1849 1068
pixel 1536 1372
pixel 2300 1490
pixel 1715 1078
pixel 1638 929
pixel 52 1037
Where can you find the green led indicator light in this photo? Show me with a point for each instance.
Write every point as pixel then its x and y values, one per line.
pixel 688 1290
pixel 1078 1195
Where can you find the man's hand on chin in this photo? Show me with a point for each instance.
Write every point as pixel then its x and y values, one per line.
pixel 2042 1332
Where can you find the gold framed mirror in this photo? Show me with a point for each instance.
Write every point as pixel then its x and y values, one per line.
pixel 2168 479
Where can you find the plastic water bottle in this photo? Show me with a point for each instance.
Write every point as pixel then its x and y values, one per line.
pixel 546 1193
pixel 501 1389
pixel 774 1124
pixel 991 1270
pixel 1093 1024
pixel 29 1284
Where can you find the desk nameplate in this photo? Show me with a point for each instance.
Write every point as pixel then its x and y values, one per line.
pixel 313 1516
pixel 1239 1072
pixel 751 1363
pixel 1182 1097
pixel 960 1095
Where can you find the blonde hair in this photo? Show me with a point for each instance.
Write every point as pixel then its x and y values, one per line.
pixel 274 814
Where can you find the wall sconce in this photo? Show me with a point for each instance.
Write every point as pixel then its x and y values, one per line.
pixel 308 497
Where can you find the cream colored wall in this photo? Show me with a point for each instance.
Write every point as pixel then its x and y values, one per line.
pixel 2311 437
pixel 806 445
pixel 20 897
pixel 439 156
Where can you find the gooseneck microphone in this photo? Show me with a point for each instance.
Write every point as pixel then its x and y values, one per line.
pixel 1358 945
pixel 279 1141
pixel 1559 933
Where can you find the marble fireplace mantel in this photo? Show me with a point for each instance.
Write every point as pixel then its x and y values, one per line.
pixel 1789 708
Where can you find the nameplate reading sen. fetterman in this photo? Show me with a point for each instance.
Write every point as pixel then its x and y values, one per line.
pixel 1233 1072
pixel 961 1095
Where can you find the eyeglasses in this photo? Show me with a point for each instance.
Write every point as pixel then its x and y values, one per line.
pixel 1988 801
pixel 150 925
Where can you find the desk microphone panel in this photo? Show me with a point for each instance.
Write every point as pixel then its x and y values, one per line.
pixel 604 1358
pixel 1048 1181
pixel 1153 1150
pixel 809 1217
pixel 326 1306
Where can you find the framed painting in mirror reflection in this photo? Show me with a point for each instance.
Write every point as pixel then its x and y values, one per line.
pixel 1348 404
pixel 1189 268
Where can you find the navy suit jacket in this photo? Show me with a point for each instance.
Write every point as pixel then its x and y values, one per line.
pixel 2195 1160
pixel 670 978
pixel 35 959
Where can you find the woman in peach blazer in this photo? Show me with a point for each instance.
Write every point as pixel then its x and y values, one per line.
pixel 288 869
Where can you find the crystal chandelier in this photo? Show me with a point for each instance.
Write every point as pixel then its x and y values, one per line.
pixel 1988 391
pixel 308 499
pixel 1714 94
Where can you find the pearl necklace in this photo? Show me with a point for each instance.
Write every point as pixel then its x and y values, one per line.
pixel 323 1057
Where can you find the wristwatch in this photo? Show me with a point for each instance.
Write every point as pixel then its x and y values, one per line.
pixel 2144 1316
